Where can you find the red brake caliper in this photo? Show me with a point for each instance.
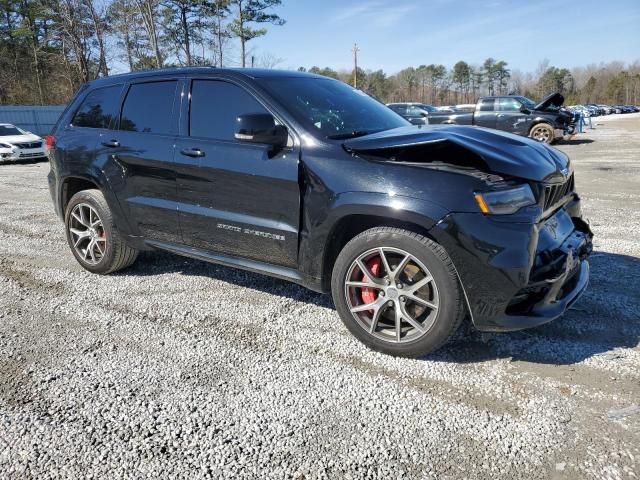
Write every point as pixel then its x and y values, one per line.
pixel 369 295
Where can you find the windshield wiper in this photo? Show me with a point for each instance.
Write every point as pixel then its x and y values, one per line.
pixel 353 134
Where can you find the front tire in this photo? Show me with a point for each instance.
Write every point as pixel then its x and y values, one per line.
pixel 542 132
pixel 397 292
pixel 95 242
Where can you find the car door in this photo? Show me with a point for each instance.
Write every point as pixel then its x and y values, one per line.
pixel 139 154
pixel 509 116
pixel 235 198
pixel 96 114
pixel 485 114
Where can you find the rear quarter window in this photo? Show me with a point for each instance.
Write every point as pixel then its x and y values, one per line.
pixel 99 109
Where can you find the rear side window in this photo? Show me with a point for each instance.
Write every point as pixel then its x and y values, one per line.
pixel 486 105
pixel 99 108
pixel 148 107
pixel 215 105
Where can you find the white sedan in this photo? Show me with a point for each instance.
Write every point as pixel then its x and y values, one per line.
pixel 17 144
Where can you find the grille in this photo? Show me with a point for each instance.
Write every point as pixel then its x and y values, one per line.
pixel 554 193
pixel 29 145
pixel 31 155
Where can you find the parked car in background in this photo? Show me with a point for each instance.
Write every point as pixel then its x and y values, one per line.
pixel 18 144
pixel 545 121
pixel 303 178
pixel 416 113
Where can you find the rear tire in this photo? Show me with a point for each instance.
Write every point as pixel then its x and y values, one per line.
pixel 542 132
pixel 410 286
pixel 92 236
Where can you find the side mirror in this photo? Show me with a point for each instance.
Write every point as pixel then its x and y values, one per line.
pixel 524 109
pixel 261 128
pixel 424 114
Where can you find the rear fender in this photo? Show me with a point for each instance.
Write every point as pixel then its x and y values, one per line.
pixel 96 176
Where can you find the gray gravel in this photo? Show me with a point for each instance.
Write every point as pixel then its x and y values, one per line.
pixel 177 368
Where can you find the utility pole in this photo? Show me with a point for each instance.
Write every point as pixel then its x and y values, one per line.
pixel 355 65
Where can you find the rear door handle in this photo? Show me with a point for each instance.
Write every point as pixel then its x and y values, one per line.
pixel 111 143
pixel 192 152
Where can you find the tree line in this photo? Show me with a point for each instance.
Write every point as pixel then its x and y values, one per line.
pixel 48 48
pixel 610 83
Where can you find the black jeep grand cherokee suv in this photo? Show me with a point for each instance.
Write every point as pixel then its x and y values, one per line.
pixel 306 179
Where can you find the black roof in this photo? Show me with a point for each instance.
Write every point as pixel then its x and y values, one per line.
pixel 237 72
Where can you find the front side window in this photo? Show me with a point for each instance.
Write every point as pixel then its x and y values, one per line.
pixel 99 108
pixel 148 107
pixel 331 109
pixel 486 105
pixel 215 106
pixel 508 105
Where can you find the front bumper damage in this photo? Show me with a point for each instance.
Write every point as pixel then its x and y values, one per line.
pixel 15 153
pixel 518 275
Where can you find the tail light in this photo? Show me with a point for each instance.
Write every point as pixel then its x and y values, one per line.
pixel 51 142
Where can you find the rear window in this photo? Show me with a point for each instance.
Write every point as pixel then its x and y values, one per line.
pixel 99 108
pixel 148 107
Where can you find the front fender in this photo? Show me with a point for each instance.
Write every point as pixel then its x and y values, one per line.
pixel 322 225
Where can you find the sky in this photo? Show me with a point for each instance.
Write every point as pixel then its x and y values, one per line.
pixel 394 34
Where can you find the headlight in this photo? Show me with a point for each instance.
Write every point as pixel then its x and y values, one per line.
pixel 504 202
pixel 4 145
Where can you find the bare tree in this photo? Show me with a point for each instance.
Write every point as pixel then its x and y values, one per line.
pixel 148 10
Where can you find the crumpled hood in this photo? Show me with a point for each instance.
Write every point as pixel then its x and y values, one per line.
pixel 13 139
pixel 553 100
pixel 488 150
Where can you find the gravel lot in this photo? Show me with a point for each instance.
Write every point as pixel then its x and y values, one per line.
pixel 177 368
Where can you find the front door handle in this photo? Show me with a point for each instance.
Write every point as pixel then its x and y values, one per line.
pixel 192 152
pixel 111 143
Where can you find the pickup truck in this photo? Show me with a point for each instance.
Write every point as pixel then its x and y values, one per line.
pixel 545 122
pixel 301 177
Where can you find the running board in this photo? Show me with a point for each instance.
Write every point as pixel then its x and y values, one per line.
pixel 255 266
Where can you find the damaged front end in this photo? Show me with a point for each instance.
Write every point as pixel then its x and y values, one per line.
pixel 519 274
pixel 522 261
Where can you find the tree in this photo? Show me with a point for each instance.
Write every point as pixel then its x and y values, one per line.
pixel 408 80
pixel 252 11
pixel 556 80
pixel 327 72
pixel 378 85
pixel 148 10
pixel 218 11
pixel 461 75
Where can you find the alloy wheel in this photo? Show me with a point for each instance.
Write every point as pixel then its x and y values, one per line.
pixel 87 234
pixel 391 295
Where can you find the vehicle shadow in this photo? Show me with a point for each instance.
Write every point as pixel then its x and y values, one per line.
pixel 576 141
pixel 27 161
pixel 606 318
pixel 156 263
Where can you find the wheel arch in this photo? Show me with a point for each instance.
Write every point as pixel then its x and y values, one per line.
pixel 346 220
pixel 77 182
